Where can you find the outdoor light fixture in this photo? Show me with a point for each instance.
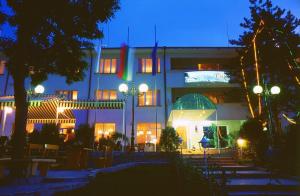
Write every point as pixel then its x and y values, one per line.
pixel 60 110
pixel 258 89
pixel 241 142
pixel 8 110
pixel 143 88
pixel 123 88
pixel 132 91
pixel 275 90
pixel 39 89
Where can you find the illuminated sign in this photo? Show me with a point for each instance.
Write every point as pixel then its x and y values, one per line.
pixel 206 76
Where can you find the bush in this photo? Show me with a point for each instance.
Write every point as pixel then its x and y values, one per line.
pixel 85 135
pixel 49 134
pixel 252 130
pixel 169 139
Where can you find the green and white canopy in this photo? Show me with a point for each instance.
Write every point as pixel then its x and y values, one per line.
pixel 192 107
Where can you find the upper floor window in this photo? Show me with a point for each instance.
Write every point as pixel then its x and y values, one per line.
pixel 106 94
pixel 145 65
pixel 68 94
pixel 2 67
pixel 198 64
pixel 108 66
pixel 150 98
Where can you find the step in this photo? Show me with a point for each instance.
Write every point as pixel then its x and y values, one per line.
pixel 263 193
pixel 272 188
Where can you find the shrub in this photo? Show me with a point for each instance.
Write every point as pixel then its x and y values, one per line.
pixel 49 134
pixel 169 139
pixel 85 135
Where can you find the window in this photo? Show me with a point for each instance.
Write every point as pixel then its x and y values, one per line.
pixel 108 66
pixel 198 64
pixel 106 94
pixel 104 130
pixel 149 98
pixel 145 65
pixel 2 67
pixel 146 132
pixel 68 94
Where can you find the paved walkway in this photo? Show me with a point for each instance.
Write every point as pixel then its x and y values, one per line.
pixel 245 180
pixel 63 180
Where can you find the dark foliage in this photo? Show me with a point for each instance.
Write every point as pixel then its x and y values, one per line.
pixel 34 137
pixel 277 45
pixel 49 38
pixel 252 130
pixel 49 134
pixel 169 139
pixel 85 135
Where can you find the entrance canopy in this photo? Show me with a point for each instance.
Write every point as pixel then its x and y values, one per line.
pixel 191 107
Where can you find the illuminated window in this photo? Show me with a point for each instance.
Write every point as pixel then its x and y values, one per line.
pixel 2 67
pixel 68 94
pixel 145 65
pixel 146 132
pixel 106 94
pixel 150 98
pixel 108 66
pixel 208 67
pixel 104 130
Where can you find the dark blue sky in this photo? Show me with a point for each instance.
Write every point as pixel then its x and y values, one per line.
pixel 180 23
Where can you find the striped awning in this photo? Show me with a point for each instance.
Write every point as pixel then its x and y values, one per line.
pixel 11 103
pixel 45 110
pixel 47 113
pixel 71 104
pixel 90 104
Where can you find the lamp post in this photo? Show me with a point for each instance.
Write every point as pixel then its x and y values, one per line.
pixel 7 110
pixel 123 88
pixel 241 143
pixel 180 140
pixel 266 93
pixel 204 143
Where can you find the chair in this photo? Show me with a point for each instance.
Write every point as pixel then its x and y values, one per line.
pixel 50 150
pixel 34 150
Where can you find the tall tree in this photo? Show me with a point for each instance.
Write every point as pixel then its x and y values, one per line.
pixel 274 32
pixel 48 39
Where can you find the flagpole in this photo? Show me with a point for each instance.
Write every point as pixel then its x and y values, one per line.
pixel 155 88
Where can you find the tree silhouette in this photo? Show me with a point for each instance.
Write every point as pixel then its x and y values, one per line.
pixel 277 44
pixel 48 39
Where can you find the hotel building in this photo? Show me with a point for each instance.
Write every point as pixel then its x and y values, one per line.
pixel 190 92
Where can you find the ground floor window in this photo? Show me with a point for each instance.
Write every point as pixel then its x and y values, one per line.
pixel 146 132
pixel 104 130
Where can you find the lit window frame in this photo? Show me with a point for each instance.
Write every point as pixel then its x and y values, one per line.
pixel 155 99
pixel 142 66
pixel 69 94
pixel 101 92
pixel 112 68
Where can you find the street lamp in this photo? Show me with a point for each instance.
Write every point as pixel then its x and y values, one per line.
pixel 241 143
pixel 142 89
pixel 7 110
pixel 204 144
pixel 39 89
pixel 266 93
pixel 180 140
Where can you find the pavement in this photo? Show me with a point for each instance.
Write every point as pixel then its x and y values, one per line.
pixel 246 180
pixel 63 180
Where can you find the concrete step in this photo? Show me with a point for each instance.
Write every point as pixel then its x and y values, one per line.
pixel 263 193
pixel 268 188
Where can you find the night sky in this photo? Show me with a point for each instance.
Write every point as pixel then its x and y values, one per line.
pixel 180 23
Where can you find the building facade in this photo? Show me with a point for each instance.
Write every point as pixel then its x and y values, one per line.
pixel 190 92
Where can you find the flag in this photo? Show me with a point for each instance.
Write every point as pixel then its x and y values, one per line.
pixel 154 59
pixel 126 63
pixel 99 57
